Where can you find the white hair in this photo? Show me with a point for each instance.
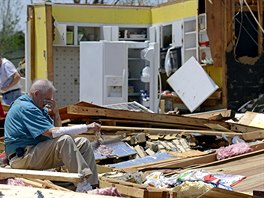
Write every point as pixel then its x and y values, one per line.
pixel 42 85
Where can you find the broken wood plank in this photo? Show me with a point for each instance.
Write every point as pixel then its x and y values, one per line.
pixel 38 183
pixel 8 191
pixel 254 135
pixel 253 119
pixel 200 161
pixel 209 114
pixel 36 174
pixel 131 115
pixel 237 157
pixel 242 128
pixel 163 131
pixel 134 190
pixel 139 123
pixel 220 193
pixel 49 184
pixel 218 127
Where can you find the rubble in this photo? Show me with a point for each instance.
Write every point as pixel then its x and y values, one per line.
pixel 140 143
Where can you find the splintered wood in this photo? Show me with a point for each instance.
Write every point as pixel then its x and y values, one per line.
pixel 34 174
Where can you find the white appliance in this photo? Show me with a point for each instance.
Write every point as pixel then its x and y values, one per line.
pixel 111 72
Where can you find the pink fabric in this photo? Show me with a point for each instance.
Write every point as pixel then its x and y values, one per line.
pixel 111 191
pixel 232 150
pixel 104 150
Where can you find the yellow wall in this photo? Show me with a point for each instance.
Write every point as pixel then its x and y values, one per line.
pixel 112 15
pixel 174 11
pixel 40 42
pixel 215 73
pixel 101 14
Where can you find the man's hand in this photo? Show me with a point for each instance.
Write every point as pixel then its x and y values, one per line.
pixel 95 127
pixel 51 105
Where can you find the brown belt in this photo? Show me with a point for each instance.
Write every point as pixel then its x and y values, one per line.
pixel 11 91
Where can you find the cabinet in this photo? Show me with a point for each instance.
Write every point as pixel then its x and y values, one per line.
pixel 177 39
pixel 166 36
pixel 66 34
pixel 133 34
pixel 205 56
pixel 190 39
pixel 119 72
pixel 171 34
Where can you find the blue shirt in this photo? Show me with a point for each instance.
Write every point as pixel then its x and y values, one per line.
pixel 24 124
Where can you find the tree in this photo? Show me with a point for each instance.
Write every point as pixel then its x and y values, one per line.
pixel 10 38
pixel 133 2
pixel 97 1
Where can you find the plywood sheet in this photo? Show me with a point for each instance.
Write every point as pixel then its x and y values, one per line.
pixel 252 167
pixel 253 119
pixel 192 84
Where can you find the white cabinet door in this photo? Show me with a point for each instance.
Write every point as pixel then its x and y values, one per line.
pixel 107 33
pixel 152 34
pixel 91 72
pixel 177 33
pixel 110 33
pixel 60 34
pixel 190 39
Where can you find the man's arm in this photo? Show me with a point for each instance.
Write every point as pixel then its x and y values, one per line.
pixel 16 77
pixel 72 130
pixel 56 117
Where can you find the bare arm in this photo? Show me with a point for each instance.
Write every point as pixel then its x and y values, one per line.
pixel 16 77
pixel 56 117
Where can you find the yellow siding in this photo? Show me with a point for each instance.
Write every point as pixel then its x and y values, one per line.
pixel 215 73
pixel 101 15
pixel 40 42
pixel 111 15
pixel 174 11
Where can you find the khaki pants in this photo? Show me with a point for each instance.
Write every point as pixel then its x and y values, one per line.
pixel 75 153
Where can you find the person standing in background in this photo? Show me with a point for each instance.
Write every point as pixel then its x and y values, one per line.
pixel 10 86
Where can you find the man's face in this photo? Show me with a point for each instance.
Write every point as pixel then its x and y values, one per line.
pixel 44 99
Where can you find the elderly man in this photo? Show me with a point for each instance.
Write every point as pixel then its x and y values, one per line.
pixel 33 140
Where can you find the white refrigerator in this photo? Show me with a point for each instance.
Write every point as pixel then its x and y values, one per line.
pixel 113 72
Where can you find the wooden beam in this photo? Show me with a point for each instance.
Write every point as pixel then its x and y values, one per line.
pixel 253 136
pixel 260 33
pixel 35 174
pixel 220 193
pixel 194 162
pixel 216 34
pixel 134 190
pixel 142 116
pixel 167 131
pixel 224 113
pixel 49 32
pixel 32 39
pixel 8 191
